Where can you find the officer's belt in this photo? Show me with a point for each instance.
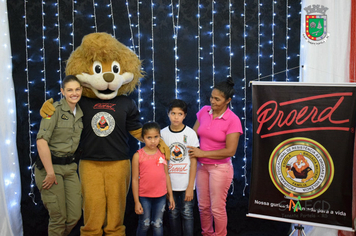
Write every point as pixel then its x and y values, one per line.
pixel 63 160
pixel 57 160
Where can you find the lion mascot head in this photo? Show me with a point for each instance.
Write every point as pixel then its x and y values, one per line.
pixel 106 67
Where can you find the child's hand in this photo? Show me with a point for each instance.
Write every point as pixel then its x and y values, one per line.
pixel 189 194
pixel 138 209
pixel 172 204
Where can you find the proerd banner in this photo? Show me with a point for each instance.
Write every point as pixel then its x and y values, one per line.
pixel 302 159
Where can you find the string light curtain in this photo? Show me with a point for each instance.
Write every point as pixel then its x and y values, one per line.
pixel 185 48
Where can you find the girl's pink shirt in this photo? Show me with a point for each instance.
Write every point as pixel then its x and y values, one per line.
pixel 152 176
pixel 212 132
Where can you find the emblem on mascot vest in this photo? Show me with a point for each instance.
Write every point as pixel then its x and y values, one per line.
pixel 103 124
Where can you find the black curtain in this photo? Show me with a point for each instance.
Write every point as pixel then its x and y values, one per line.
pixel 264 41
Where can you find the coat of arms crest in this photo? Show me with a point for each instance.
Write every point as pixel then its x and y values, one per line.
pixel 316 22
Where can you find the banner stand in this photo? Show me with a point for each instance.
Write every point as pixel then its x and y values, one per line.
pixel 300 229
pixel 300 222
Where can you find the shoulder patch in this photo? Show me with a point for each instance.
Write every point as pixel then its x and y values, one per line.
pixel 56 104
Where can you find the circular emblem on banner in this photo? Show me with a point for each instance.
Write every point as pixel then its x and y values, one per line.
pixel 301 166
pixel 103 124
pixel 178 152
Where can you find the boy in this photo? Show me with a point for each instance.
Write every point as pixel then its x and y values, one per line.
pixel 181 168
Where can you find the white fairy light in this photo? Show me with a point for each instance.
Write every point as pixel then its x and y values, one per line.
pixel 213 40
pixel 153 62
pixel 130 24
pixel 31 193
pixel 199 55
pixel 72 24
pixel 59 47
pixel 230 38
pixel 287 38
pixel 112 18
pixel 273 33
pixel 259 4
pixel 245 103
pixel 94 16
pixel 175 23
pixel 43 49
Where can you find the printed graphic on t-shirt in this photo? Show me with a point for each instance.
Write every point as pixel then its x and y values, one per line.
pixel 177 162
pixel 178 152
pixel 108 106
pixel 103 124
pixel 180 168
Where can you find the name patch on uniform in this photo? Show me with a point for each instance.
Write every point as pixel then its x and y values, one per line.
pixel 64 117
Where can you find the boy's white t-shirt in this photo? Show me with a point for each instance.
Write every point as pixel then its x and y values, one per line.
pixel 179 163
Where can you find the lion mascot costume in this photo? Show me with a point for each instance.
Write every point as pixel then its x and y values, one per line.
pixel 108 71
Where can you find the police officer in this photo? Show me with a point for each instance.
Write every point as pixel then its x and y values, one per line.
pixel 56 170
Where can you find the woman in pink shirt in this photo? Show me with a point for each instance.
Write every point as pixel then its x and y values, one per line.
pixel 219 130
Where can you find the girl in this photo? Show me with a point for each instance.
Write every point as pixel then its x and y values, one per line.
pixel 56 170
pixel 150 182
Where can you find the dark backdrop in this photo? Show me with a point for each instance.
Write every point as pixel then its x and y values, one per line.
pixel 264 42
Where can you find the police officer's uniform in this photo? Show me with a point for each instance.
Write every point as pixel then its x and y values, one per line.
pixel 62 132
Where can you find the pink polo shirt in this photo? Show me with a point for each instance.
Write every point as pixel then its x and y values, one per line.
pixel 212 133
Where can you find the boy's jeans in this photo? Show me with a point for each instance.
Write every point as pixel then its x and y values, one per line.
pixel 183 210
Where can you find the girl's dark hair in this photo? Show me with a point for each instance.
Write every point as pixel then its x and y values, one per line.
pixel 150 125
pixel 70 78
pixel 226 87
pixel 178 103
